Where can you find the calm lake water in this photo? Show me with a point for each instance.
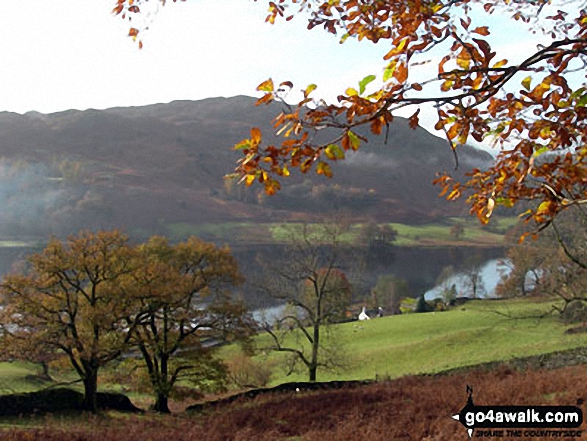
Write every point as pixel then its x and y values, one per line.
pixel 420 267
pixel 490 273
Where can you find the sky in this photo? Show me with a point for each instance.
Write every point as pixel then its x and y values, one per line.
pixel 71 54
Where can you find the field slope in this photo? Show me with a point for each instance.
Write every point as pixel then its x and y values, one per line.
pixel 477 332
pixel 410 408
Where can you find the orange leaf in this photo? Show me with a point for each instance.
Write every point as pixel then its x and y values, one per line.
pixel 256 135
pixel 133 32
pixel 266 86
pixel 453 131
pixel 401 73
pixel 265 99
pixel 376 126
pixel 345 142
pixel 414 119
pixel 482 30
pixel 271 186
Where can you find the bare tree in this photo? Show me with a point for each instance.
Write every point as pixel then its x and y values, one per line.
pixel 310 279
pixel 473 282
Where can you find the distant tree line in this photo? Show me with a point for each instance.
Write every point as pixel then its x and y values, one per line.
pixel 307 196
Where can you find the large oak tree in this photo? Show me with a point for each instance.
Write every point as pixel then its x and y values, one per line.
pixel 70 299
pixel 183 304
pixel 96 297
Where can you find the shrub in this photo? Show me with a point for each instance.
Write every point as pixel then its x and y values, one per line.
pixel 244 372
pixel 422 305
pixel 575 312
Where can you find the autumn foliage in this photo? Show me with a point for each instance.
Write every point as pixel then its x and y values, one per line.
pixel 70 300
pixel 181 300
pixel 534 108
pixel 96 297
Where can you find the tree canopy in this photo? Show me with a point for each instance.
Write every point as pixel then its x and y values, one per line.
pixel 70 299
pixel 533 108
pixel 554 264
pixel 96 297
pixel 183 303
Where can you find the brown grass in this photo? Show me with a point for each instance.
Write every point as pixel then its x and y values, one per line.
pixel 411 408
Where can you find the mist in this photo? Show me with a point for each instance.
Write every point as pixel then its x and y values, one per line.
pixel 36 201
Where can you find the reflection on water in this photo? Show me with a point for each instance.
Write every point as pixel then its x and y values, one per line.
pixel 491 273
pixel 269 314
pixel 419 266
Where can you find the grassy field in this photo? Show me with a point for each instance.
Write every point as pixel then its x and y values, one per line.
pixel 19 377
pixel 477 332
pixel 433 234
pixel 411 408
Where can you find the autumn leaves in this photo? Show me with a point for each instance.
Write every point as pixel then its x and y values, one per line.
pixel 540 126
pixel 97 296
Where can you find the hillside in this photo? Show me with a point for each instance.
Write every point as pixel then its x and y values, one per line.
pixel 400 405
pixel 143 168
pixel 479 331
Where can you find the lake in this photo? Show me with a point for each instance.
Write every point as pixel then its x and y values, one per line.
pixel 419 266
pixel 491 273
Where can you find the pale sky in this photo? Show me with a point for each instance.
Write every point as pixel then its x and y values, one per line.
pixel 63 54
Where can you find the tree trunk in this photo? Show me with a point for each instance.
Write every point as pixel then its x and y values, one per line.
pixel 313 367
pixel 161 385
pixel 90 390
pixel 161 403
pixel 312 373
pixel 45 375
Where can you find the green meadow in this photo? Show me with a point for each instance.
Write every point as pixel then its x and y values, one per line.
pixel 19 377
pixel 477 332
pixel 431 234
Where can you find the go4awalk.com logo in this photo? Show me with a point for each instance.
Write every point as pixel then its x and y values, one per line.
pixel 555 422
